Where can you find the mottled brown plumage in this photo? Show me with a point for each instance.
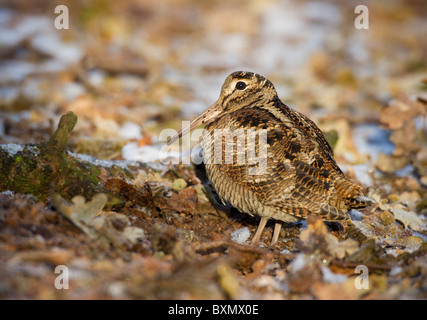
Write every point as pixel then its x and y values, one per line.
pixel 298 175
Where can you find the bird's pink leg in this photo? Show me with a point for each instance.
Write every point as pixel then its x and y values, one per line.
pixel 258 232
pixel 276 233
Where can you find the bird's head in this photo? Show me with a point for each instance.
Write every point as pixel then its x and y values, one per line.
pixel 240 89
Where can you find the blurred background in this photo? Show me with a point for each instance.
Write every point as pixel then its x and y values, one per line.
pixel 130 69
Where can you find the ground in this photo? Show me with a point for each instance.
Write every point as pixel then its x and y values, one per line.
pixel 134 225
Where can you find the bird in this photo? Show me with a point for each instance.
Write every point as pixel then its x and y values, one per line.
pixel 295 174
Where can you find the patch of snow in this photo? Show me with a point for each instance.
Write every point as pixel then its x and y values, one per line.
pixel 12 148
pixel 51 44
pixel 124 164
pixel 12 32
pixel 420 235
pixel 15 70
pixel 131 151
pixel 130 130
pixel 290 33
pixel 408 219
pixel 72 90
pixel 31 89
pixel 285 251
pixel 130 82
pixel 8 94
pixel 298 263
pixel 157 153
pixel 395 271
pixel 241 235
pixel 42 37
pixel 393 251
pixel 96 77
pixel 363 174
pixel 407 171
pixel 117 290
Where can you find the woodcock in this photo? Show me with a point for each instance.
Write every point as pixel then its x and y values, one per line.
pixel 300 176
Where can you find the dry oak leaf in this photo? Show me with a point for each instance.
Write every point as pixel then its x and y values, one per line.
pixel 80 212
pixel 408 219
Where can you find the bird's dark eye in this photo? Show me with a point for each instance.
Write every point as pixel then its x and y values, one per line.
pixel 240 85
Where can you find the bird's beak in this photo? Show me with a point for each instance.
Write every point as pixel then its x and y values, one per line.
pixel 210 113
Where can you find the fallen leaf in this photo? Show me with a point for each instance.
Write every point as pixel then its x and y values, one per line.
pixel 80 212
pixel 317 238
pixel 408 219
pixel 400 111
pixel 344 248
pixel 411 243
pixel 390 163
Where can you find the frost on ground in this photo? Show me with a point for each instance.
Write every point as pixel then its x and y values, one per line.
pixel 241 235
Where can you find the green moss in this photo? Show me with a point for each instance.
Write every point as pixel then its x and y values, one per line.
pixel 332 137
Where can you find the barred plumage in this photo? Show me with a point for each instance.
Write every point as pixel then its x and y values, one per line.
pixel 299 176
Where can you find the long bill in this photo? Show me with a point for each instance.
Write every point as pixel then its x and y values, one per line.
pixel 210 113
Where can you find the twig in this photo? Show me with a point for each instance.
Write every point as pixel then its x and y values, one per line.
pixel 226 244
pixel 369 265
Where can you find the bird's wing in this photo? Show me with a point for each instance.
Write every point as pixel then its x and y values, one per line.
pixel 309 130
pixel 298 176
